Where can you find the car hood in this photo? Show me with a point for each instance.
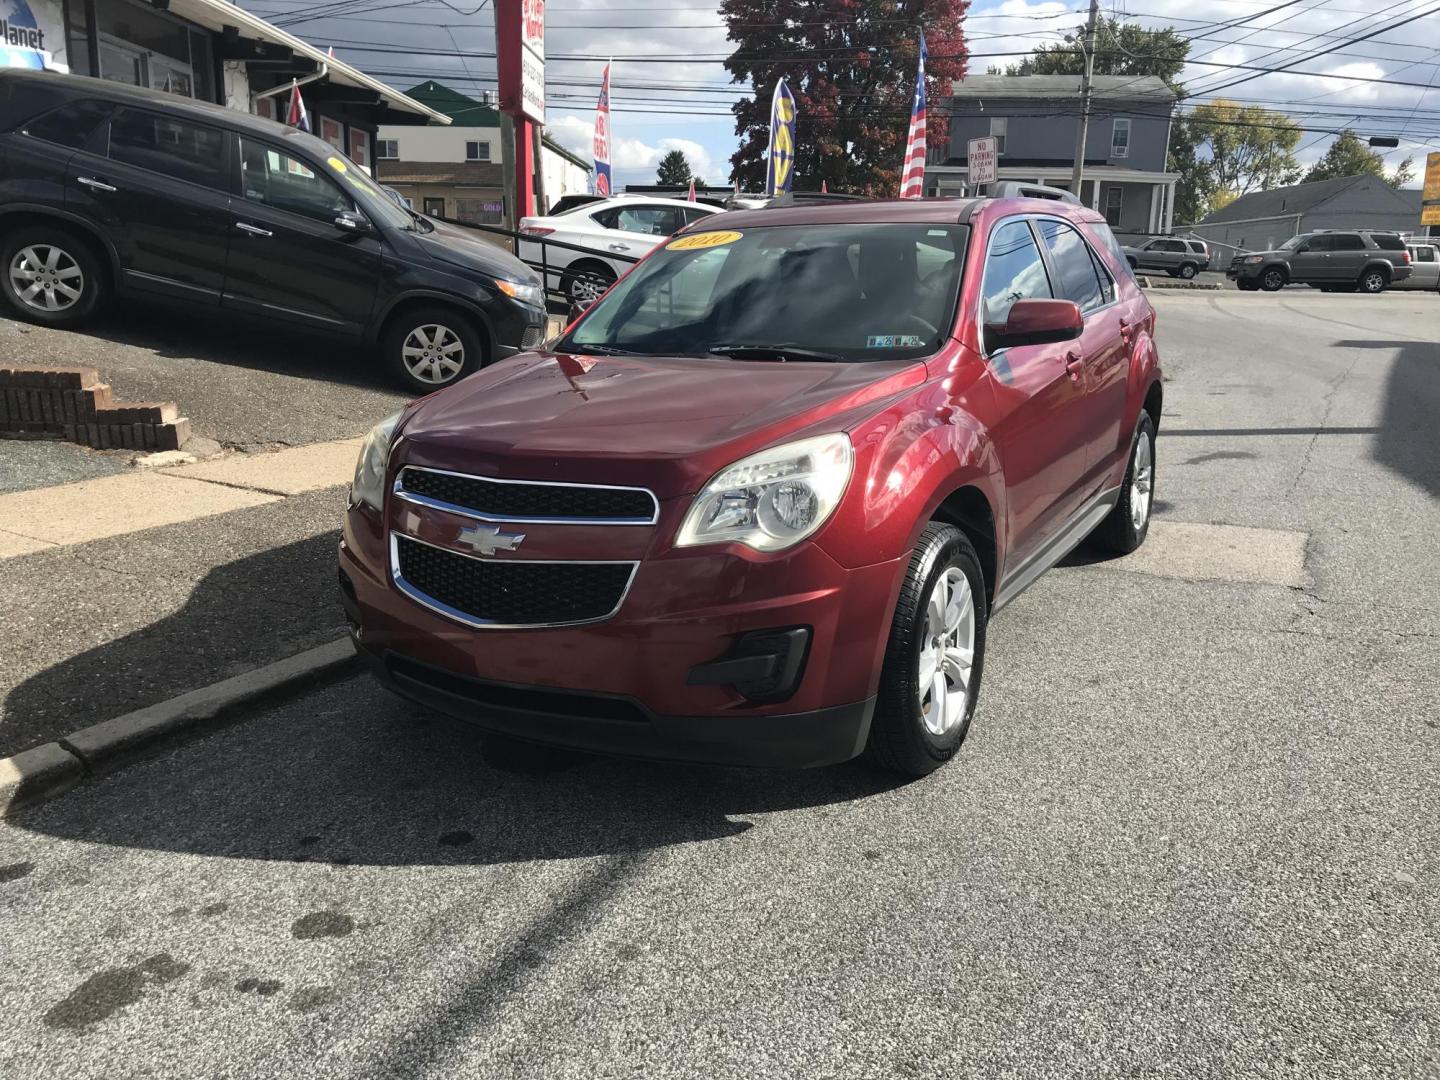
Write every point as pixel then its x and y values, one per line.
pixel 469 250
pixel 668 424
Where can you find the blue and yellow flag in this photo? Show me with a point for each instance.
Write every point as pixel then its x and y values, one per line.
pixel 780 162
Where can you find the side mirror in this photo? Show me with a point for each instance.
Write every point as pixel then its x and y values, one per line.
pixel 352 221
pixel 1037 322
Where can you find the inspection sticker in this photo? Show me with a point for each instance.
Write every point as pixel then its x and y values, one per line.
pixel 336 164
pixel 893 341
pixel 703 240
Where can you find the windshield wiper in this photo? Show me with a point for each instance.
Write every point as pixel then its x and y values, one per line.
pixel 596 350
pixel 772 352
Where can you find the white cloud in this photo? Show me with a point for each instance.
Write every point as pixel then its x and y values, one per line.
pixel 631 155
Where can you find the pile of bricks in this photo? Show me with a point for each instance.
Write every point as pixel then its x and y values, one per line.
pixel 41 402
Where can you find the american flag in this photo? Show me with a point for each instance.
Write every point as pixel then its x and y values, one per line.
pixel 912 171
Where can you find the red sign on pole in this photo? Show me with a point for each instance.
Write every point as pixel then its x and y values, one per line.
pixel 520 45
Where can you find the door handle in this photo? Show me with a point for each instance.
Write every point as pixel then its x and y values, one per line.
pixel 619 247
pixel 253 230
pixel 91 182
pixel 1074 364
pixel 1127 332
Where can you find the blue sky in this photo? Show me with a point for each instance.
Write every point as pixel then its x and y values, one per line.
pixel 668 91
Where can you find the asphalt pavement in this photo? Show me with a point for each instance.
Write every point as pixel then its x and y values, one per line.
pixel 1193 833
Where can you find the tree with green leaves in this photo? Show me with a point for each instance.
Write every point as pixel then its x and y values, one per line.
pixel 674 169
pixel 1251 148
pixel 1404 173
pixel 1120 49
pixel 1348 155
pixel 851 66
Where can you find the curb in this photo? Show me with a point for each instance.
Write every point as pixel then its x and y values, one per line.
pixel 34 775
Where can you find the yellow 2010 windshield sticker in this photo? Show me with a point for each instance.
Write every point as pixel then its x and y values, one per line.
pixel 336 164
pixel 703 240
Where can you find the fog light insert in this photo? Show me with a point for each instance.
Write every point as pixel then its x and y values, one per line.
pixel 763 665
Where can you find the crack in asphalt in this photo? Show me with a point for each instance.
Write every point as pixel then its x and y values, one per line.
pixel 1329 399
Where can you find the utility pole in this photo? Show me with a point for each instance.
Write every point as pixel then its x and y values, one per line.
pixel 1077 173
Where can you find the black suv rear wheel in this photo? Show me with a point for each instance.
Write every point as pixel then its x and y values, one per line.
pixel 1373 280
pixel 50 275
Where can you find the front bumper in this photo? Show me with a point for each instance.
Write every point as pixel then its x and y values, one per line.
pixel 644 682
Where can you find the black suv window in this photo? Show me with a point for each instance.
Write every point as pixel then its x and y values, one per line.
pixel 1347 242
pixel 1013 271
pixel 274 178
pixel 1074 269
pixel 1388 241
pixel 70 125
pixel 166 145
pixel 1322 242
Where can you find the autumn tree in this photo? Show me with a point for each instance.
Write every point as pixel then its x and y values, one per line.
pixel 1348 155
pixel 674 169
pixel 851 66
pixel 1250 147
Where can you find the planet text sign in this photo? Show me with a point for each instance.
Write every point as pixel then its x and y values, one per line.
pixel 983 160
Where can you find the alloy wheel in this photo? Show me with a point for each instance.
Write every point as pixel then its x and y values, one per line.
pixel 1374 282
pixel 433 354
pixel 1274 280
pixel 947 652
pixel 46 277
pixel 587 288
pixel 1142 482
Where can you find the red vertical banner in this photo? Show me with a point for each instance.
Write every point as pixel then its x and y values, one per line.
pixel 520 58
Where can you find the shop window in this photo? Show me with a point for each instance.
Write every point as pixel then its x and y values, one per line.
pixel 166 145
pixel 274 178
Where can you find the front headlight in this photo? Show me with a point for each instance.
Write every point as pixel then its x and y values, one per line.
pixel 1254 258
pixel 774 499
pixel 369 484
pixel 533 295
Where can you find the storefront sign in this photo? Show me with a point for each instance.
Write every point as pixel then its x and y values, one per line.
pixel 1430 196
pixel 30 34
pixel 520 40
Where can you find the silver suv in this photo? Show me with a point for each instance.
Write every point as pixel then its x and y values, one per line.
pixel 1177 257
pixel 1340 261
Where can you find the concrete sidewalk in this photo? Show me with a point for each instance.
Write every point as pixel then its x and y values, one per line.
pixel 128 589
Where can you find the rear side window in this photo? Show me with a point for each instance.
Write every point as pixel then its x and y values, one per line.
pixel 70 125
pixel 1013 271
pixel 1074 271
pixel 1347 242
pixel 1102 232
pixel 1196 246
pixel 166 145
pixel 1388 242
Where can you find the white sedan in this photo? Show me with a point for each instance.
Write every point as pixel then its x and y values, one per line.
pixel 630 226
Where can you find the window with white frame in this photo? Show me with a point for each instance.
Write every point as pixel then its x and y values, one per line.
pixel 998 130
pixel 477 151
pixel 1120 139
pixel 387 149
pixel 1114 201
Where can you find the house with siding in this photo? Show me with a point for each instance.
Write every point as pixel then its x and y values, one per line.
pixel 1263 220
pixel 1035 117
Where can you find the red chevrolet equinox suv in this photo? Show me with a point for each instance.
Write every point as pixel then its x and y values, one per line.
pixel 758 503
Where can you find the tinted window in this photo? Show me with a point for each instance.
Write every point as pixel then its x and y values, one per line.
pixel 1101 232
pixel 1388 241
pixel 1347 242
pixel 163 144
pixel 1197 247
pixel 1013 271
pixel 1171 245
pixel 273 177
pixel 693 215
pixel 70 125
pixel 1074 269
pixel 1107 283
pixel 1320 243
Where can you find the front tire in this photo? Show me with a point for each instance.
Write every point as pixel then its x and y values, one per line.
pixel 1127 525
pixel 1272 280
pixel 427 348
pixel 50 276
pixel 935 655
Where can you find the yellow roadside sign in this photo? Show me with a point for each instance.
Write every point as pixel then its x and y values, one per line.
pixel 1430 197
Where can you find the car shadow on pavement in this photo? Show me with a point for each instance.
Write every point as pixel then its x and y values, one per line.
pixel 1406 442
pixel 275 348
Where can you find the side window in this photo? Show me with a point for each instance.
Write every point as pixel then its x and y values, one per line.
pixel 1388 242
pixel 276 179
pixel 1101 232
pixel 1321 242
pixel 652 220
pixel 166 145
pixel 1424 254
pixel 693 215
pixel 1175 246
pixel 70 125
pixel 1348 242
pixel 1013 271
pixel 1074 269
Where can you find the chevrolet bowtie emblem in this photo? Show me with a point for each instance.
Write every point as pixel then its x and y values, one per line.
pixel 488 539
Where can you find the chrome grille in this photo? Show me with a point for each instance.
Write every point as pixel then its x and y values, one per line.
pixel 490 499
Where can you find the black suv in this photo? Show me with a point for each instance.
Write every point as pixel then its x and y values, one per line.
pixel 107 189
pixel 1329 261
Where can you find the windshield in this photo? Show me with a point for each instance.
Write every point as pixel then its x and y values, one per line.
pixel 379 205
pixel 839 292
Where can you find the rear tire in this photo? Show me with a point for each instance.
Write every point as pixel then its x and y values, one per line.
pixel 1373 282
pixel 51 276
pixel 430 347
pixel 927 694
pixel 1126 527
pixel 583 282
pixel 1187 270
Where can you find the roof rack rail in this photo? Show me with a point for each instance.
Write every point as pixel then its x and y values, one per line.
pixel 1018 189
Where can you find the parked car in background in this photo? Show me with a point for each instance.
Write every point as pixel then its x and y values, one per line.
pixel 108 189
pixel 1424 267
pixel 1178 257
pixel 1331 261
pixel 631 226
pixel 759 503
